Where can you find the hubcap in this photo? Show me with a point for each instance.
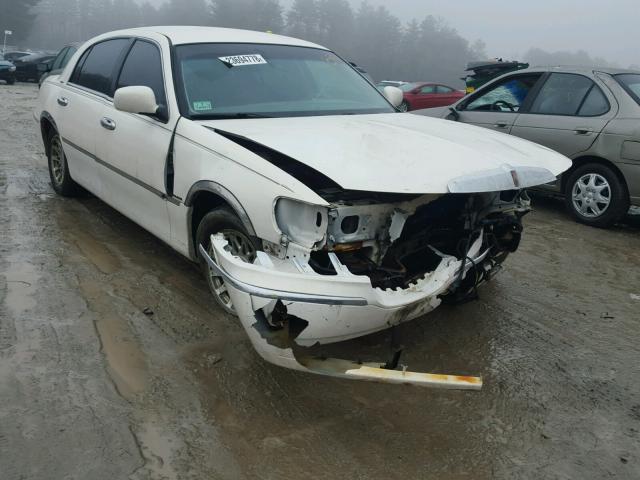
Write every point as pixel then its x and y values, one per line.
pixel 403 107
pixel 591 195
pixel 57 161
pixel 240 246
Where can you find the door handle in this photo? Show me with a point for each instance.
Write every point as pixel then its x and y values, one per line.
pixel 63 101
pixel 108 123
pixel 583 131
pixel 500 125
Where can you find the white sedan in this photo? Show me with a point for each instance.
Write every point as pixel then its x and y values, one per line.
pixel 318 212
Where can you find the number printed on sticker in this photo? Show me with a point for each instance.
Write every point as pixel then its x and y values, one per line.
pixel 243 60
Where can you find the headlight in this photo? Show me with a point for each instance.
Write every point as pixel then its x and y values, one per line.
pixel 302 223
pixel 12 69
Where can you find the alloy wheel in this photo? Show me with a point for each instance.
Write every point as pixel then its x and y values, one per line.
pixel 591 195
pixel 57 161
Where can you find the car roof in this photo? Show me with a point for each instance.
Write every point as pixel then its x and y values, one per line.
pixel 575 69
pixel 182 35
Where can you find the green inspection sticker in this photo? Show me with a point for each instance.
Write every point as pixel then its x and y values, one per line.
pixel 202 106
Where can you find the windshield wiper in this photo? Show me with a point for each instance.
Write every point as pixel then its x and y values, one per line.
pixel 226 116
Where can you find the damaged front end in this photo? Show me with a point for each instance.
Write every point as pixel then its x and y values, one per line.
pixel 367 262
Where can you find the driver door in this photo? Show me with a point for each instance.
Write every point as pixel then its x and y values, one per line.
pixel 497 106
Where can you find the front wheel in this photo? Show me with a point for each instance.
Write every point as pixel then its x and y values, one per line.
pixel 596 196
pixel 11 81
pixel 404 106
pixel 223 220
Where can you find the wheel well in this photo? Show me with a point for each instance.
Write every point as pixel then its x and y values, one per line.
pixel 578 162
pixel 201 204
pixel 46 127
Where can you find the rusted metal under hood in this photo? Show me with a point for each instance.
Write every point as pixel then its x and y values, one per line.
pixel 403 153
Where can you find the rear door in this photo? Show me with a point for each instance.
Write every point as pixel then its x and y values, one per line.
pixel 497 105
pixel 80 104
pixel 426 97
pixel 567 115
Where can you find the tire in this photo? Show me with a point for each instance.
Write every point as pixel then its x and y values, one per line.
pixel 11 81
pixel 595 195
pixel 404 106
pixel 226 221
pixel 59 174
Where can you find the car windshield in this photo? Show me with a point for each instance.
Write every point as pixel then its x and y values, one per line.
pixel 257 80
pixel 631 83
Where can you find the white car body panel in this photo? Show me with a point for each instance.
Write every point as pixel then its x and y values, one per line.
pixel 393 153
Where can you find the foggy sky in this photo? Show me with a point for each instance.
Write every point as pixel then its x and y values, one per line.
pixel 604 28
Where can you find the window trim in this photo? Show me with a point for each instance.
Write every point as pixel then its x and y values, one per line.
pixel 575 115
pixel 533 93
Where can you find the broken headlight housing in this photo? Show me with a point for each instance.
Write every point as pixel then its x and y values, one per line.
pixel 302 223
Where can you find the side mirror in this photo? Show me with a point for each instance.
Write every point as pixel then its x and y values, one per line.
pixel 140 100
pixel 44 67
pixel 394 95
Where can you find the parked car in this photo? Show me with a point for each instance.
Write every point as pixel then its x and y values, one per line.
pixel 27 66
pixel 56 65
pixel 428 95
pixel 14 55
pixel 7 71
pixel 317 211
pixel 591 115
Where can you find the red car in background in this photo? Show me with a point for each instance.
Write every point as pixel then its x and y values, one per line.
pixel 428 95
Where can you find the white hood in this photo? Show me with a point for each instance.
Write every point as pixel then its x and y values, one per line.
pixel 401 153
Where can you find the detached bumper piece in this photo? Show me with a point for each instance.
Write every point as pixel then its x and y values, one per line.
pixel 328 309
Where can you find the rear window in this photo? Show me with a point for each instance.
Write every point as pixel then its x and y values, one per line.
pixel 631 83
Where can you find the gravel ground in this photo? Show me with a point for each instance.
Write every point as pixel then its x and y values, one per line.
pixel 115 363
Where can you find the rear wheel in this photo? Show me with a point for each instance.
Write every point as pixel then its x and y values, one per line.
pixel 223 220
pixel 596 196
pixel 61 180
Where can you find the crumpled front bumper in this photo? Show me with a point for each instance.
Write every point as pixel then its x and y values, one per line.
pixel 337 308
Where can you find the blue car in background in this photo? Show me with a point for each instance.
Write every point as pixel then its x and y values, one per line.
pixel 7 71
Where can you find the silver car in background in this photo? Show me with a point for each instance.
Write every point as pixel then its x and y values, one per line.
pixel 591 115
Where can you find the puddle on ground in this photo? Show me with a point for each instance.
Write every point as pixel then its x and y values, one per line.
pixel 157 448
pixel 126 362
pixel 97 253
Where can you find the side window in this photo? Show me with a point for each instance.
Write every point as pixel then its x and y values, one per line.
pixel 562 94
pixel 443 89
pixel 595 104
pixel 507 96
pixel 58 62
pixel 428 89
pixel 97 71
pixel 143 67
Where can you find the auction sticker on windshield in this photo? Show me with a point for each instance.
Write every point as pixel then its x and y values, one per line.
pixel 243 60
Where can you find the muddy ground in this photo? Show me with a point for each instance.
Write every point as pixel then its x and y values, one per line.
pixel 115 363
